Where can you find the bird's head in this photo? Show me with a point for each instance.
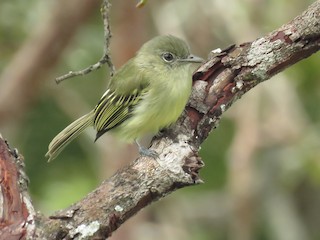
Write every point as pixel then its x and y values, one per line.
pixel 166 52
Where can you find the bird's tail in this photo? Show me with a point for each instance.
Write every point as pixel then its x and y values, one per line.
pixel 68 134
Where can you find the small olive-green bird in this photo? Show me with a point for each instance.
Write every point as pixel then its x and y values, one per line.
pixel 146 94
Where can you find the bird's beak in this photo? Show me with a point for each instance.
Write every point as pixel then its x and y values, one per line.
pixel 193 58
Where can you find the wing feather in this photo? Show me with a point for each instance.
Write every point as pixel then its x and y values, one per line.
pixel 113 109
pixel 124 93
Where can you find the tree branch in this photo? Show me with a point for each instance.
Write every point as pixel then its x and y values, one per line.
pixel 106 54
pixel 223 79
pixel 17 213
pixel 237 69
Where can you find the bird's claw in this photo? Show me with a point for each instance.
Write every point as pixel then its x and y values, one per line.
pixel 148 152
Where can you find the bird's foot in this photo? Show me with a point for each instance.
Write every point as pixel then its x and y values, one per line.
pixel 143 151
pixel 148 152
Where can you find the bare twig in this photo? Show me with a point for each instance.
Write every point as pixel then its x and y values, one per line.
pixel 107 35
pixel 106 54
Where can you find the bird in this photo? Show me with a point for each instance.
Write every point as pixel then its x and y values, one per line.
pixel 145 95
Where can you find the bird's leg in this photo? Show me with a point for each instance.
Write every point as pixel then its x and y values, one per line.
pixel 143 151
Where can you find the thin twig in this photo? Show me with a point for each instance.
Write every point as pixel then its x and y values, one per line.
pixel 107 36
pixel 106 54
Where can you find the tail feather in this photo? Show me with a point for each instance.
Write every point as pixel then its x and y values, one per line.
pixel 68 134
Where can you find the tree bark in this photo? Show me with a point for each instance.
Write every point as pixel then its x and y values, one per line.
pixel 218 83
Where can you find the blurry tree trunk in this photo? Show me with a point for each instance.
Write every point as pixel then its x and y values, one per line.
pixel 218 83
pixel 36 57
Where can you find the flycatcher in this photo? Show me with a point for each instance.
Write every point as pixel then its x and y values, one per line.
pixel 146 94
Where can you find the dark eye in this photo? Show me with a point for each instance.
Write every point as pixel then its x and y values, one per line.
pixel 168 57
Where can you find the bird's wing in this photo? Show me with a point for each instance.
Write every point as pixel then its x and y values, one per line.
pixel 126 88
pixel 113 109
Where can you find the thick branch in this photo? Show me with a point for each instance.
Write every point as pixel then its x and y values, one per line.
pixel 17 213
pixel 236 70
pixel 125 193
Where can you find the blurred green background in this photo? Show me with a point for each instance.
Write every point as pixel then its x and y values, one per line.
pixel 262 173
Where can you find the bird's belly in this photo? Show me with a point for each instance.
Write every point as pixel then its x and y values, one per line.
pixel 155 112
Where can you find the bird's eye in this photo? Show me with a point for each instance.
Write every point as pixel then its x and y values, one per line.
pixel 168 57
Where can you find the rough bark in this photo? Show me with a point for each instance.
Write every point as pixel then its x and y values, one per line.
pixel 17 213
pixel 223 79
